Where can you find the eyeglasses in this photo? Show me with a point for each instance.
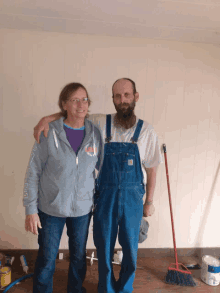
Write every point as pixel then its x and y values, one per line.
pixel 75 101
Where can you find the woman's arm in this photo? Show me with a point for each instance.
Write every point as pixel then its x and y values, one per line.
pixel 100 151
pixel 34 171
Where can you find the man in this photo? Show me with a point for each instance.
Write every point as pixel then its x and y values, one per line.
pixel 131 146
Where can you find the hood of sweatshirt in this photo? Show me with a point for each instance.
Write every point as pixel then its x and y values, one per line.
pixel 58 130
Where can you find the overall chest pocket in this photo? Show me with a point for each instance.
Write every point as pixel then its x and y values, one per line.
pixel 127 162
pixel 122 162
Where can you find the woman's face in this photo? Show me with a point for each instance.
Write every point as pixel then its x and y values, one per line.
pixel 77 105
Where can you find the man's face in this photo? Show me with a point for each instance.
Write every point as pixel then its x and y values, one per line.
pixel 124 98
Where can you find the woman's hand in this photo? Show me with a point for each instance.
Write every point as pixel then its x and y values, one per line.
pixel 42 125
pixel 32 223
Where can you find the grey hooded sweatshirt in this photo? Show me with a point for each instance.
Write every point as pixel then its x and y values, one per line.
pixel 57 181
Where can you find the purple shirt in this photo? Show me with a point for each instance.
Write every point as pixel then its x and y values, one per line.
pixel 75 136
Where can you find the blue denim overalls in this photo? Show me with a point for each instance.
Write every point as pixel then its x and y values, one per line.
pixel 118 210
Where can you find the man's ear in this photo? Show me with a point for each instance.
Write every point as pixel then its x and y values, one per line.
pixel 136 97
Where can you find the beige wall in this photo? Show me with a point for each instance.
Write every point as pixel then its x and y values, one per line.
pixel 179 94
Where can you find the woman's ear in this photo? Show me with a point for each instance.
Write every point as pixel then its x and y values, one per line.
pixel 64 105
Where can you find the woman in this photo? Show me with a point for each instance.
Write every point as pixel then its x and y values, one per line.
pixel 59 188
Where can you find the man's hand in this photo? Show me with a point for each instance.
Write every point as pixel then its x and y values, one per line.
pixel 148 210
pixel 32 222
pixel 42 125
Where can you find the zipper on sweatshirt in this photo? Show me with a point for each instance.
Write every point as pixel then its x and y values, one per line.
pixel 76 187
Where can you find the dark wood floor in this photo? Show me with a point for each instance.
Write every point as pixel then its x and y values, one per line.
pixel 149 279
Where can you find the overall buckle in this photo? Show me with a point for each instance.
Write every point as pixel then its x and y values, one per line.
pixel 107 139
pixel 133 141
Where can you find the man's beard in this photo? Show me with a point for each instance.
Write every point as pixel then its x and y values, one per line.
pixel 125 117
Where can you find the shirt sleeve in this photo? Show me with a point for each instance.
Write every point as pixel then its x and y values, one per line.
pixel 153 156
pixel 96 119
pixel 35 167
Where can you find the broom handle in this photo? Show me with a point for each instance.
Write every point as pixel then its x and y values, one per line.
pixel 171 212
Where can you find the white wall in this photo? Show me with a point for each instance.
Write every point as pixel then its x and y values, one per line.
pixel 179 94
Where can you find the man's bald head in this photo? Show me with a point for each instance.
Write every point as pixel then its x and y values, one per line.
pixel 126 79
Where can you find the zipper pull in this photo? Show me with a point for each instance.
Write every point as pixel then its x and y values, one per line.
pixel 77 161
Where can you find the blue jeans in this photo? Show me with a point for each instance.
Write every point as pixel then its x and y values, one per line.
pixel 49 241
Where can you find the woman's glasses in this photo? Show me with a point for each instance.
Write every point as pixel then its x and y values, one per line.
pixel 76 101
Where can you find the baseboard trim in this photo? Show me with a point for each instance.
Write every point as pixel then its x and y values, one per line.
pixel 194 251
pixel 31 254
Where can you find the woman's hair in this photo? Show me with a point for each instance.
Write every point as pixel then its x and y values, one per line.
pixel 67 92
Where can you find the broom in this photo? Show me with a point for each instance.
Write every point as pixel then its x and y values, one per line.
pixel 174 275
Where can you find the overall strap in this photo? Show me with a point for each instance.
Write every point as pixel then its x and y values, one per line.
pixel 108 128
pixel 134 139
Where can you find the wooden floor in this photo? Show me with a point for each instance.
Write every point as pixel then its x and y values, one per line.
pixel 149 279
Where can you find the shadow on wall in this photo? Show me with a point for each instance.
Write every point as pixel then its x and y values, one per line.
pixel 6 241
pixel 206 212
